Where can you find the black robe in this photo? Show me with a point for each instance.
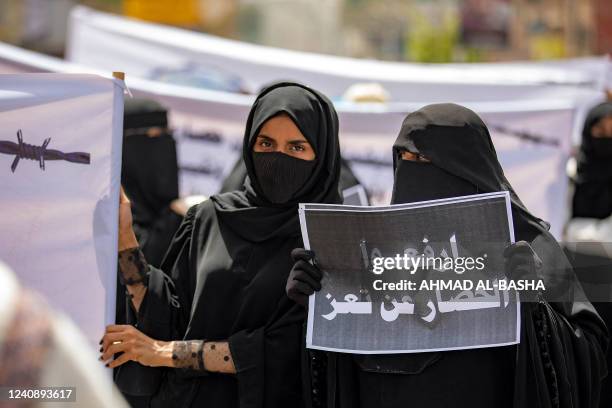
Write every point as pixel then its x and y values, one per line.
pixel 593 185
pixel 593 199
pixel 560 359
pixel 149 175
pixel 224 275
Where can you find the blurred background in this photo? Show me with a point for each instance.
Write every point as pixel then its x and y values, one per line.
pixel 396 30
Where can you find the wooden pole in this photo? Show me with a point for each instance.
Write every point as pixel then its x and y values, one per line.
pixel 119 75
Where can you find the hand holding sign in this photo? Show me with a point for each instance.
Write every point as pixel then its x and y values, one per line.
pixel 523 263
pixel 304 278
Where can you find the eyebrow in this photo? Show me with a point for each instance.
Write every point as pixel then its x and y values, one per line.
pixel 296 141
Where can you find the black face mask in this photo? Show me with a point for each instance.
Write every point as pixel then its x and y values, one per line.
pixel 422 181
pixel 601 147
pixel 281 176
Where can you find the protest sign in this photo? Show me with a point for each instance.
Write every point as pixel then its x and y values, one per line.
pixel 60 162
pixel 412 277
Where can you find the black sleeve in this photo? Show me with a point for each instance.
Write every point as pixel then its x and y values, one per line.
pixel 267 360
pixel 165 309
pixel 566 338
pixel 591 200
pixel 157 238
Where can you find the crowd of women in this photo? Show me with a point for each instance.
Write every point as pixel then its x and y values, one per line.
pixel 214 316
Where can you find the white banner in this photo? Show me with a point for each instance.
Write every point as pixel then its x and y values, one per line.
pixel 195 59
pixel 532 135
pixel 60 160
pixel 532 147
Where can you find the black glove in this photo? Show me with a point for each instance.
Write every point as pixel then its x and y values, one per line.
pixel 304 278
pixel 523 263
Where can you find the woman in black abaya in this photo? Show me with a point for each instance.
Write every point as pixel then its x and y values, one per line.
pixel 593 184
pixel 149 175
pixel 593 199
pixel 445 150
pixel 217 319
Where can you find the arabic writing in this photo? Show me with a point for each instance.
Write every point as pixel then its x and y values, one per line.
pixel 464 300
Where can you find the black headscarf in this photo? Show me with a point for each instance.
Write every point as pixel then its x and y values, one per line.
pixel 457 141
pixel 249 213
pixel 593 184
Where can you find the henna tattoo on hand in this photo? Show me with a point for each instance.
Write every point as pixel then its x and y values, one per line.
pixel 133 267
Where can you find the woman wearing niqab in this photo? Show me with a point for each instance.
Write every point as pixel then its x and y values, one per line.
pixel 217 304
pixel 593 199
pixel 593 183
pixel 445 150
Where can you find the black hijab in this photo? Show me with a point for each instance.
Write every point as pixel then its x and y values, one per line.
pixel 458 142
pixel 250 213
pixel 593 184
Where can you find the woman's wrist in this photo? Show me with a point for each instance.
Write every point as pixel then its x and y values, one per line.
pixel 127 239
pixel 188 354
pixel 163 354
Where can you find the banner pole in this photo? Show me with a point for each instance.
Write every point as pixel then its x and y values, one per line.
pixel 119 75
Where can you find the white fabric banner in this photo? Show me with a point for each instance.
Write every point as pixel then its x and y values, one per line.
pixel 532 147
pixel 179 56
pixel 532 135
pixel 60 160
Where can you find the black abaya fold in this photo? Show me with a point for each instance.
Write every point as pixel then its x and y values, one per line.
pixel 235 293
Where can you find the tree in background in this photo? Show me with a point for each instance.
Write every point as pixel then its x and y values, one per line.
pixel 432 37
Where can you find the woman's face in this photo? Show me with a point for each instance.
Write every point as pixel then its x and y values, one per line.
pixel 280 134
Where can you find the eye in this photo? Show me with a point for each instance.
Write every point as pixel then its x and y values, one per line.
pixel 406 155
pixel 297 148
pixel 411 156
pixel 265 143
